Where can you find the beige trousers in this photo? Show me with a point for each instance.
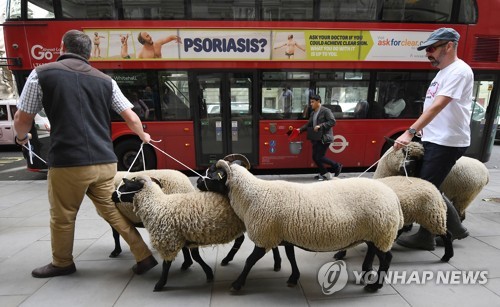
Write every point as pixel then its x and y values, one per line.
pixel 67 187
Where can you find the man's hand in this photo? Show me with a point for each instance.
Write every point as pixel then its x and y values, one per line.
pixel 403 140
pixel 23 140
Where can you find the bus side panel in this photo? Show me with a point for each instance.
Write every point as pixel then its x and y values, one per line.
pixel 176 139
pixel 276 150
pixel 357 143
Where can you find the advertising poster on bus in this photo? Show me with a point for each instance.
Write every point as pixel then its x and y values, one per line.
pixel 254 44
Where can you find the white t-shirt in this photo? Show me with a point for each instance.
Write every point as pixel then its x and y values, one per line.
pixel 451 126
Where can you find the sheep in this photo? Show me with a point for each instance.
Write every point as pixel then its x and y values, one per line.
pixel 462 185
pixel 323 216
pixel 421 202
pixel 172 181
pixel 181 220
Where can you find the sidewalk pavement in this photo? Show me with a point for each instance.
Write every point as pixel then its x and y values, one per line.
pixel 103 281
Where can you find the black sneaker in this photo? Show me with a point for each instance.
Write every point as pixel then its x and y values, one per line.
pixel 339 170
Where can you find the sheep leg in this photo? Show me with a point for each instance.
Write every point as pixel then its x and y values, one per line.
pixel 207 269
pixel 187 259
pixel 294 277
pixel 236 246
pixel 385 262
pixel 448 246
pixel 164 275
pixel 340 254
pixel 258 252
pixel 118 248
pixel 367 265
pixel 277 258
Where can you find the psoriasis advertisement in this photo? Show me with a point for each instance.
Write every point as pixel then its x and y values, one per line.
pixel 255 45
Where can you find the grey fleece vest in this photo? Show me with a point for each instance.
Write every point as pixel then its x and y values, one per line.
pixel 77 100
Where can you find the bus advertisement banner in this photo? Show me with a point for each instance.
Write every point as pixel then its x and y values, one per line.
pixel 256 45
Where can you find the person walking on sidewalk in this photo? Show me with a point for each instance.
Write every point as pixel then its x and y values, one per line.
pixel 319 132
pixel 77 99
pixel 443 125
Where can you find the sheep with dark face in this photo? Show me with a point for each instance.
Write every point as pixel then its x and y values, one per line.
pixel 324 216
pixel 172 181
pixel 182 220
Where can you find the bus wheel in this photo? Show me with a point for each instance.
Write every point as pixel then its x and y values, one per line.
pixel 126 151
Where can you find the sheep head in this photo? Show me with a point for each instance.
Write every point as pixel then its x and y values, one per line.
pixel 127 191
pixel 217 174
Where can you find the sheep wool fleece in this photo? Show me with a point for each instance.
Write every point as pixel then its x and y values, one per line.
pixel 421 202
pixel 196 218
pixel 172 181
pixel 462 185
pixel 323 216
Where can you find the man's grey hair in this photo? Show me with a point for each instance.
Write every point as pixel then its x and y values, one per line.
pixel 77 42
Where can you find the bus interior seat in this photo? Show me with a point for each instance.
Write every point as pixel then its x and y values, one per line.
pixel 361 109
pixel 335 108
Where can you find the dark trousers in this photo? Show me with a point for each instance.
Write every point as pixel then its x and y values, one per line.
pixel 438 161
pixel 318 155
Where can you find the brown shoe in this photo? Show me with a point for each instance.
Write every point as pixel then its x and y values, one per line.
pixel 50 271
pixel 145 265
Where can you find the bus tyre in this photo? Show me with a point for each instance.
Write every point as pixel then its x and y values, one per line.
pixel 127 150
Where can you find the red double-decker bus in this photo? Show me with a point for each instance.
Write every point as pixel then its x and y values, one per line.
pixel 213 77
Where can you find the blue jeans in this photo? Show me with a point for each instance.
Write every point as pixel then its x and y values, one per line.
pixel 318 155
pixel 438 161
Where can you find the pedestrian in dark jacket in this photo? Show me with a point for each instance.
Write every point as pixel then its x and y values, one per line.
pixel 320 133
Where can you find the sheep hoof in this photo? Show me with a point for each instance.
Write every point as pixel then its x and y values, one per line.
pixel 186 266
pixel 277 267
pixel 446 258
pixel 372 288
pixel 224 262
pixel 291 283
pixel 340 255
pixel 115 253
pixel 158 288
pixel 235 287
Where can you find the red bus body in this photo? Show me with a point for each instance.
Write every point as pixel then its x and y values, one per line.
pixel 358 142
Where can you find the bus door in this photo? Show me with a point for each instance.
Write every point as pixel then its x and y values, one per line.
pixel 483 110
pixel 224 123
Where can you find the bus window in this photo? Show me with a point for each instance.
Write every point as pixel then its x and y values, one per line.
pixel 174 96
pixel 417 11
pixel 349 10
pixel 76 9
pixel 400 94
pixel 284 99
pixel 223 10
pixel 347 95
pixel 287 10
pixel 172 9
pixel 40 9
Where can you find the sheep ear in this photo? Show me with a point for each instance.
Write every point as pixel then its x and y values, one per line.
pixel 143 179
pixel 238 157
pixel 155 180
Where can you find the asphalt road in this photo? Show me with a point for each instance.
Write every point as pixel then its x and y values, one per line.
pixel 13 165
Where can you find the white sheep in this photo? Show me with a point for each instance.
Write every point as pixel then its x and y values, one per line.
pixel 421 202
pixel 462 185
pixel 172 181
pixel 324 216
pixel 182 220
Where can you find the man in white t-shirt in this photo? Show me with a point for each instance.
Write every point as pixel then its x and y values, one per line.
pixel 443 125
